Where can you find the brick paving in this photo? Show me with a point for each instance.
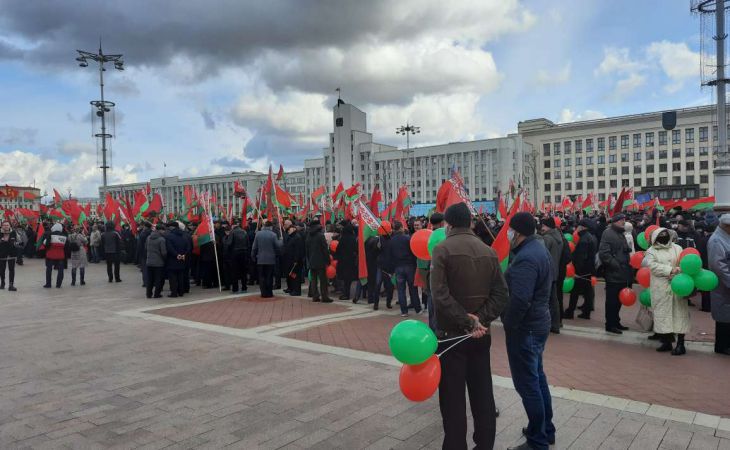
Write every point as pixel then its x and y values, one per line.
pixel 74 373
pixel 251 311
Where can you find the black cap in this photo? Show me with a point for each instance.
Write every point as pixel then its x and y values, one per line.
pixel 524 223
pixel 548 222
pixel 458 215
pixel 586 223
pixel 436 218
pixel 618 217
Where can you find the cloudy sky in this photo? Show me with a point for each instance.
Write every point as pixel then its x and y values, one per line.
pixel 244 84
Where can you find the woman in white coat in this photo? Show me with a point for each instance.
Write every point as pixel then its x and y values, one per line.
pixel 671 314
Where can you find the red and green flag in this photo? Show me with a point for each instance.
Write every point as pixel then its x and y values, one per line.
pixel 368 225
pixel 587 205
pixel 501 244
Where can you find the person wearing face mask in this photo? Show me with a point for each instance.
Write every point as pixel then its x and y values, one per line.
pixel 468 292
pixel 8 241
pixel 614 253
pixel 526 323
pixel 671 315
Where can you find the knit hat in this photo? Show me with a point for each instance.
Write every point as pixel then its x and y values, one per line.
pixel 548 222
pixel 57 227
pixel 458 215
pixel 523 223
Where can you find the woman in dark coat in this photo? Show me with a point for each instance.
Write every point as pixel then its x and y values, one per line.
pixel 293 260
pixel 346 256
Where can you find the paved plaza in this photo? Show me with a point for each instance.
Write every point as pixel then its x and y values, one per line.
pixel 100 366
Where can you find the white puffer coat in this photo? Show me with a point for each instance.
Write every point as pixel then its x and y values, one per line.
pixel 671 313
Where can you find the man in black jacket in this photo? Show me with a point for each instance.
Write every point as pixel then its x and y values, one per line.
pixel 614 254
pixel 584 260
pixel 236 244
pixel 293 260
pixel 141 252
pixel 318 257
pixel 112 242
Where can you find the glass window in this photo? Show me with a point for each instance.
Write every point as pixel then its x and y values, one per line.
pixel 703 151
pixel 590 172
pixel 578 160
pixel 578 146
pixel 613 171
pixel 611 159
pixel 567 147
pixel 637 140
pixel 547 186
pixel 637 169
pixel 690 193
pixel 677 179
pixel 589 160
pixel 602 159
pixel 556 175
pixel 624 171
pixel 624 157
pixel 662 167
pixel 676 153
pixel 662 138
pixel 557 186
pixel 704 192
pixel 589 184
pixel 689 151
pixel 578 185
pixel 649 137
pixel 676 136
pixel 690 179
pixel 567 174
pixel 691 165
pixel 649 155
pixel 704 179
pixel 662 154
pixel 714 132
pixel 556 148
pixel 567 162
pixel 613 183
pixel 676 167
pixel 556 163
pixel 703 134
pixel 624 141
pixel 650 168
pixel 612 142
pixel 602 185
pixel 704 165
pixel 601 144
pixel 637 181
pixel 568 186
pixel 689 135
pixel 546 164
pixel 662 181
pixel 650 181
pixel 589 145
pixel 637 156
pixel 547 175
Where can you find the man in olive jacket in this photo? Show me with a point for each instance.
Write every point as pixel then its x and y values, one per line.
pixel 469 292
pixel 614 254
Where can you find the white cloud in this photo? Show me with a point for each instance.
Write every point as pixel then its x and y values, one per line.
pixel 567 115
pixel 545 78
pixel 71 148
pixel 80 174
pixel 678 62
pixel 295 112
pixel 627 85
pixel 617 60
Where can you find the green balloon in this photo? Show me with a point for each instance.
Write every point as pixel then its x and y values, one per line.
pixel 691 264
pixel 412 342
pixel 435 239
pixel 645 297
pixel 568 237
pixel 682 284
pixel 706 280
pixel 568 284
pixel 641 239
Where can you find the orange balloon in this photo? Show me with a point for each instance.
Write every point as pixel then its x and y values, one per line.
pixel 419 382
pixel 419 244
pixel 636 260
pixel 331 272
pixel 627 296
pixel 333 246
pixel 689 251
pixel 594 281
pixel 570 270
pixel 643 276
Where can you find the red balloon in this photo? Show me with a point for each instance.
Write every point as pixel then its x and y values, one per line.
pixel 643 276
pixel 572 247
pixel 576 237
pixel 331 272
pixel 594 281
pixel 570 270
pixel 627 296
pixel 333 246
pixel 419 382
pixel 688 251
pixel 419 244
pixel 649 230
pixel 636 260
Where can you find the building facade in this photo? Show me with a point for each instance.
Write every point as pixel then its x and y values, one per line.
pixel 602 155
pixel 171 189
pixel 15 197
pixel 487 165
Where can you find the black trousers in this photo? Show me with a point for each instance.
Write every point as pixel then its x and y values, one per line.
pixel 177 287
pixel 294 285
pixel 266 280
pixel 156 279
pixel 318 286
pixel 10 263
pixel 82 272
pixel 467 365
pixel 556 292
pixel 239 267
pixel 722 336
pixel 59 266
pixel 613 305
pixel 584 288
pixel 112 259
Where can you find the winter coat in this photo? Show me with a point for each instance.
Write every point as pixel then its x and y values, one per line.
pixel 141 251
pixel 293 257
pixel 553 240
pixel 346 255
pixel 718 248
pixel 466 278
pixel 176 245
pixel 78 257
pixel 529 278
pixel 630 242
pixel 236 242
pixel 385 263
pixel 671 313
pixel 614 254
pixel 8 245
pixel 318 254
pixel 155 250
pixel 56 244
pixel 584 256
pixel 111 241
pixel 266 247
pixel 399 251
pixel 372 252
pixel 95 239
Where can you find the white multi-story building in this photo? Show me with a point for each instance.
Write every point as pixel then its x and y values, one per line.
pixel 171 189
pixel 14 197
pixel 487 165
pixel 603 155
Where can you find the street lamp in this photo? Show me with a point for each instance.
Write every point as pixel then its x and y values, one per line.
pixel 408 130
pixel 102 106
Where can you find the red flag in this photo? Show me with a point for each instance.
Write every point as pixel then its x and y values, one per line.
pixel 280 175
pixel 619 203
pixel 155 206
pixel 375 200
pixel 29 196
pixel 56 197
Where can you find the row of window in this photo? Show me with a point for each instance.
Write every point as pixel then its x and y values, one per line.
pixel 664 195
pixel 689 138
pixel 676 167
pixel 590 185
pixel 601 159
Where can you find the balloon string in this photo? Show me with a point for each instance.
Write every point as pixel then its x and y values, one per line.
pixel 453 338
pixel 454 345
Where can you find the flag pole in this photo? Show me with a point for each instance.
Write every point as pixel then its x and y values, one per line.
pixel 215 247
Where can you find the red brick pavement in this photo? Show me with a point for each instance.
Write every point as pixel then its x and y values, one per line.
pixel 703 327
pixel 251 311
pixel 627 371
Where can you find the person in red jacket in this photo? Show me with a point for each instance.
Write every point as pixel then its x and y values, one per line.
pixel 57 250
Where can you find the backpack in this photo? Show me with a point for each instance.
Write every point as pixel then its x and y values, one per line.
pixel 74 246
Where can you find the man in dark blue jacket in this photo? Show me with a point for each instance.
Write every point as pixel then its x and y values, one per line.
pixel 527 326
pixel 404 262
pixel 177 250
